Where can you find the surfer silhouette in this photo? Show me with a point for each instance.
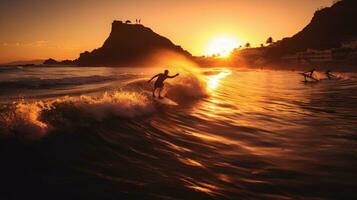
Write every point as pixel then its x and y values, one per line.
pixel 329 75
pixel 309 74
pixel 159 83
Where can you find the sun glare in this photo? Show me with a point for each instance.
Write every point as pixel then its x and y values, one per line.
pixel 221 46
pixel 214 80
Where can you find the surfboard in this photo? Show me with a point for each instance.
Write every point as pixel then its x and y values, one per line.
pixel 310 82
pixel 165 101
pixel 309 77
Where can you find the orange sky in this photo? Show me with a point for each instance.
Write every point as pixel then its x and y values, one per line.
pixel 37 29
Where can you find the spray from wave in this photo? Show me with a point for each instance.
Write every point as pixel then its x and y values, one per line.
pixel 183 89
pixel 335 76
pixel 187 88
pixel 24 120
pixel 189 85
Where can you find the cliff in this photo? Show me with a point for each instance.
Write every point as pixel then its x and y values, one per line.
pixel 328 29
pixel 128 43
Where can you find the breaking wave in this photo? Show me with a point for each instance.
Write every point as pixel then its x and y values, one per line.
pixel 34 119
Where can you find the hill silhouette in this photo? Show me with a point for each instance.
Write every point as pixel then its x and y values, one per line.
pixel 24 62
pixel 328 29
pixel 52 61
pixel 127 43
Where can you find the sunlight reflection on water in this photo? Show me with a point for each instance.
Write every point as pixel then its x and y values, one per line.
pixel 269 117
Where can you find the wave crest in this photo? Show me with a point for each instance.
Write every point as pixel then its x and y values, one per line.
pixel 33 119
pixel 23 119
pixel 119 104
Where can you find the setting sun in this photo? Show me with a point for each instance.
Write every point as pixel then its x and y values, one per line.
pixel 222 46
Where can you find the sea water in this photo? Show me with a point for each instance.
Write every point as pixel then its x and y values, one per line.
pixel 93 132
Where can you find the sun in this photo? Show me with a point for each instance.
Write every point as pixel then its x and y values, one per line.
pixel 221 46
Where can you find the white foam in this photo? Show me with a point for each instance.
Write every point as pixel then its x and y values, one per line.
pixel 27 119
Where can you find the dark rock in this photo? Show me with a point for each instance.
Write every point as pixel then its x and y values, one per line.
pixel 328 29
pixel 67 62
pixel 128 43
pixel 55 62
pixel 50 61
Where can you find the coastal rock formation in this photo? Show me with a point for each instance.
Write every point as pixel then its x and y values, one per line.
pixel 23 63
pixel 52 61
pixel 128 43
pixel 329 28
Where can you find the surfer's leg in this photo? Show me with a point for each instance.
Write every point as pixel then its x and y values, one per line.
pixel 153 92
pixel 160 89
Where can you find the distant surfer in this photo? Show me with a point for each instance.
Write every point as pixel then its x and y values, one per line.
pixel 329 75
pixel 159 83
pixel 309 74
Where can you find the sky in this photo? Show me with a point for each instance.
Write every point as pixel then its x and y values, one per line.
pixel 61 29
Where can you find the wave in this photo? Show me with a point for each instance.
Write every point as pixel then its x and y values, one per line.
pixel 336 76
pixel 35 119
pixel 9 68
pixel 37 83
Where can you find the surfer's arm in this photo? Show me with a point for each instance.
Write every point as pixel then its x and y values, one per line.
pixel 307 72
pixel 173 76
pixel 153 78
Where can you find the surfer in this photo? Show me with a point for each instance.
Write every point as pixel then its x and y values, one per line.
pixel 329 75
pixel 159 83
pixel 309 74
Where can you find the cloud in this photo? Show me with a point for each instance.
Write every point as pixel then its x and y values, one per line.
pixel 38 43
pixel 42 44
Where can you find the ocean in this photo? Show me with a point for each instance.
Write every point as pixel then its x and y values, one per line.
pixel 96 133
